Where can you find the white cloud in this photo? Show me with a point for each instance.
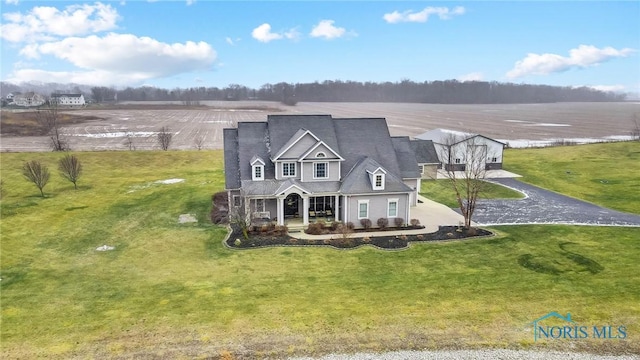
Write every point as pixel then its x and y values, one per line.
pixel 326 29
pixel 229 41
pixel 105 78
pixel 190 2
pixel 475 76
pixel 581 57
pixel 263 33
pixel 46 23
pixel 12 2
pixel 443 13
pixel 292 34
pixel 119 56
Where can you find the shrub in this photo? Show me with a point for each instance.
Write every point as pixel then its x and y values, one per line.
pixel 472 231
pixel 414 222
pixel 420 237
pixel 334 225
pixel 366 223
pixel 383 223
pixel 350 225
pixel 398 222
pixel 315 229
pixel 366 240
pixel 321 223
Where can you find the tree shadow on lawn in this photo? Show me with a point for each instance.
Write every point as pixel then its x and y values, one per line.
pixel 258 239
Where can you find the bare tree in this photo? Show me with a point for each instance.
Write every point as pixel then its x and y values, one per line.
pixel 49 119
pixel 164 138
pixel 464 164
pixel 239 213
pixel 635 131
pixel 37 173
pixel 71 169
pixel 198 142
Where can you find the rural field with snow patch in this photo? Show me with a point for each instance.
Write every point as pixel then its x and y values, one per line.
pixel 135 124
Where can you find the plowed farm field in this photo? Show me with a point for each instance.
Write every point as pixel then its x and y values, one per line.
pixel 135 127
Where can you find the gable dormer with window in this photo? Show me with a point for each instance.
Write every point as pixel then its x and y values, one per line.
pixel 377 178
pixel 257 168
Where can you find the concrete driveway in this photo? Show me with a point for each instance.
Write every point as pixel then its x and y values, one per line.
pixel 546 207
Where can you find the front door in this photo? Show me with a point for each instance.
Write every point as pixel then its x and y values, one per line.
pixel 292 205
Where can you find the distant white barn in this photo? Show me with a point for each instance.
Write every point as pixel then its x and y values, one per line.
pixel 28 99
pixel 453 147
pixel 68 99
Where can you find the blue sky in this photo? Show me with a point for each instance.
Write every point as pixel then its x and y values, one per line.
pixel 216 43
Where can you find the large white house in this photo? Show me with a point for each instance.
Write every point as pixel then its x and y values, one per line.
pixel 456 150
pixel 28 99
pixel 68 99
pixel 311 166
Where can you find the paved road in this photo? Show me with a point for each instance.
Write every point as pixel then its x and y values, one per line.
pixel 546 207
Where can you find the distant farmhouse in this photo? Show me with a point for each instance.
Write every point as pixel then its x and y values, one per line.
pixel 68 99
pixel 455 149
pixel 316 166
pixel 28 99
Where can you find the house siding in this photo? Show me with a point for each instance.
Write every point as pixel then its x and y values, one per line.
pixel 299 148
pixel 334 171
pixel 377 208
pixel 429 171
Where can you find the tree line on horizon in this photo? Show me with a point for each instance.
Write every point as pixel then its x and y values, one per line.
pixel 406 91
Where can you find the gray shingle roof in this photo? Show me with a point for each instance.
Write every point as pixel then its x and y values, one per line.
pixel 425 151
pixel 357 180
pixel 406 157
pixel 252 142
pixel 366 137
pixel 231 161
pixel 283 127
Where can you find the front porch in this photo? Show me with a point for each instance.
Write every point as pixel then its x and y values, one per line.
pixel 295 208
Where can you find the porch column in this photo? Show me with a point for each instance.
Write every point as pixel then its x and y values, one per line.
pixel 336 207
pixel 280 210
pixel 305 210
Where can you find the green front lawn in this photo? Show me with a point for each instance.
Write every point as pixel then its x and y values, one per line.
pixel 441 191
pixel 605 174
pixel 173 290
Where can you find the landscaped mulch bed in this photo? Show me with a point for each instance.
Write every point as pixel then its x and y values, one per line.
pixel 258 240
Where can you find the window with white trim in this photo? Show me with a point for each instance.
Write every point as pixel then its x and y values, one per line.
pixel 392 208
pixel 363 209
pixel 236 200
pixel 258 172
pixel 422 169
pixel 320 170
pixel 289 169
pixel 378 182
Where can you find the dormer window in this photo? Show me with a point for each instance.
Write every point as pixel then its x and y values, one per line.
pixel 378 182
pixel 377 178
pixel 258 172
pixel 257 169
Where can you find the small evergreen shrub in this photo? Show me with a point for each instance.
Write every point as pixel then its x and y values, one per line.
pixel 366 223
pixel 383 223
pixel 398 222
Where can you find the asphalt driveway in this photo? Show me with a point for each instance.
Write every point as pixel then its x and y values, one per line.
pixel 546 207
